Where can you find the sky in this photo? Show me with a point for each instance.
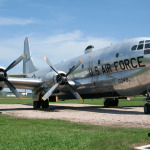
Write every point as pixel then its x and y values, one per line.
pixel 62 29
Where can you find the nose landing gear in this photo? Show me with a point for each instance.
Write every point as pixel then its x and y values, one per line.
pixel 147 105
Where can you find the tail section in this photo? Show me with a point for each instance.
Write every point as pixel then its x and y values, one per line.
pixel 28 66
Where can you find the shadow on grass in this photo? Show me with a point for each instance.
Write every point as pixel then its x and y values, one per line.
pixel 86 108
pixel 14 108
pixel 98 109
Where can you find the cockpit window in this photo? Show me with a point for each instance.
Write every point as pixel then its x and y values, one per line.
pixel 134 47
pixel 147 45
pixel 140 46
pixel 147 41
pixel 141 42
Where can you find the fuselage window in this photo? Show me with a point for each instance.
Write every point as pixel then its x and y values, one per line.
pixel 82 66
pixel 140 47
pixel 117 54
pixel 147 45
pixel 99 62
pixel 134 47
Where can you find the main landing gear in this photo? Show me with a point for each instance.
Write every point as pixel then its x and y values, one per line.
pixel 40 103
pixel 111 102
pixel 147 108
pixel 147 105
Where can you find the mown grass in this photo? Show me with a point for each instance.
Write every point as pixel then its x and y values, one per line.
pixel 31 134
pixel 134 102
pixel 10 100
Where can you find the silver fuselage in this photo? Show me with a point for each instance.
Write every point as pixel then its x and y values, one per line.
pixel 113 71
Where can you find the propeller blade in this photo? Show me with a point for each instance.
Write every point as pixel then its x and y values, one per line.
pixel 63 79
pixel 74 67
pixel 13 89
pixel 50 92
pixel 48 61
pixel 74 92
pixel 14 63
pixel 50 64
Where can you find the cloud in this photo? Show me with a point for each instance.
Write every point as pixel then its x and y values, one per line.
pixel 15 21
pixel 57 47
pixel 64 46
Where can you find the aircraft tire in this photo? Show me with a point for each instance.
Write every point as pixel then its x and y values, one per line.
pixel 36 105
pixel 116 102
pixel 111 102
pixel 45 104
pixel 147 108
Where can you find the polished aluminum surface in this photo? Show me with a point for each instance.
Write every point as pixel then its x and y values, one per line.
pixel 113 71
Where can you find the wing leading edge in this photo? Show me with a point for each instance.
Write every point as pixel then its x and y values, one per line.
pixel 25 83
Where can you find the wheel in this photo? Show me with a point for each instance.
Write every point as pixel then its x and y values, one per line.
pixel 147 108
pixel 106 102
pixel 36 105
pixel 111 102
pixel 45 104
pixel 116 102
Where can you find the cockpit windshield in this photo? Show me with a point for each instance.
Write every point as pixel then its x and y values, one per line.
pixel 142 45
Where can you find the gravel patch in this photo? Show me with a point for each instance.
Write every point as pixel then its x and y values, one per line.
pixel 82 113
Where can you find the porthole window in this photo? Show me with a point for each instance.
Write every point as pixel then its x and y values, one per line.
pixel 82 66
pixel 117 54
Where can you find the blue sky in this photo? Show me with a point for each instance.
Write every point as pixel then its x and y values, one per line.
pixel 62 29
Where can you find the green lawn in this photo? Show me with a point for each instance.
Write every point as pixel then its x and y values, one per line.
pixel 49 134
pixel 136 102
pixel 4 100
pixel 31 134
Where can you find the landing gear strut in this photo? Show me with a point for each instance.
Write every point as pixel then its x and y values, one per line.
pixel 111 102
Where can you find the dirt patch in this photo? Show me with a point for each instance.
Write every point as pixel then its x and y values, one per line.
pixel 82 113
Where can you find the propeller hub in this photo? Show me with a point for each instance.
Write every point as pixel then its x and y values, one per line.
pixel 64 79
pixel 3 74
pixel 61 77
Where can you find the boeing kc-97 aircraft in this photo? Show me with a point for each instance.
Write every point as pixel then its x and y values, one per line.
pixel 119 71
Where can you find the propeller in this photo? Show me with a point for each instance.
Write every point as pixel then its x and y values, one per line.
pixel 62 79
pixel 4 76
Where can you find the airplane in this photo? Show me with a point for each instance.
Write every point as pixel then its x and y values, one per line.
pixel 119 71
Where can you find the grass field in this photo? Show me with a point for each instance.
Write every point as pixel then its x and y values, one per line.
pixel 49 134
pixel 134 102
pixel 28 134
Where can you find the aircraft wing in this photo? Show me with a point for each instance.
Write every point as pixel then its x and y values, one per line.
pixel 25 83
pixel 18 75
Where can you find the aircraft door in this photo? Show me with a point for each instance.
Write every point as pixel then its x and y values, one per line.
pixel 122 75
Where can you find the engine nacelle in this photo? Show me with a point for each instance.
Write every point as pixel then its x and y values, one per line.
pixel 52 78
